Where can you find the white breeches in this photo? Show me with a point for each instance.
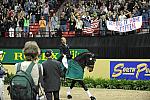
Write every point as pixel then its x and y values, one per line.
pixel 64 61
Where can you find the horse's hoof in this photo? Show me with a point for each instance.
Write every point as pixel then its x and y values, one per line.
pixel 69 97
pixel 93 98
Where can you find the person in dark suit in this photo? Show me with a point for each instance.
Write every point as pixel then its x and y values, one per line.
pixel 64 52
pixel 51 76
pixel 64 48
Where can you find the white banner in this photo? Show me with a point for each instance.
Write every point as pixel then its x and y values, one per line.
pixel 125 25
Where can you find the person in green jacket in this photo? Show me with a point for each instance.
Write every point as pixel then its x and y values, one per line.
pixel 26 25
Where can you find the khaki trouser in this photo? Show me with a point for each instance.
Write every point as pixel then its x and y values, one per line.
pixel 1 89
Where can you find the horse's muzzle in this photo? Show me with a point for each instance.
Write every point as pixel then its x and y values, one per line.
pixel 90 69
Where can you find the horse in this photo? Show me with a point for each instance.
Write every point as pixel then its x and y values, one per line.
pixel 75 71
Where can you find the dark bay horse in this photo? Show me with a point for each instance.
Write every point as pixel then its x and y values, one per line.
pixel 75 71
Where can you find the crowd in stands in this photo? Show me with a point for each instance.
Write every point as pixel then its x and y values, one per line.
pixel 76 17
pixel 16 16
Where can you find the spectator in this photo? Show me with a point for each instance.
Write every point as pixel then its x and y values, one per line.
pixel 10 13
pixel 63 22
pixel 86 21
pixel 116 7
pixel 122 16
pixel 130 5
pixel 79 25
pixel 16 8
pixel 54 25
pixel 27 7
pixel 103 25
pixel 42 24
pixel 46 13
pixel 2 73
pixel 26 25
pixel 31 52
pixel 1 27
pixel 11 32
pixel 21 14
pixel 9 9
pixel 18 29
pixel 51 76
pixel 33 12
pixel 72 24
pixel 103 9
pixel 31 46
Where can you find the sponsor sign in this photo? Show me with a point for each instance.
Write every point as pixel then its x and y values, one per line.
pixel 16 55
pixel 130 70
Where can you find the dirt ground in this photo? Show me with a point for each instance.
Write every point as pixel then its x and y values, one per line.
pixel 102 94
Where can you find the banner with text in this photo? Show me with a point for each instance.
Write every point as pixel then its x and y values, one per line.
pixel 16 55
pixel 130 70
pixel 125 25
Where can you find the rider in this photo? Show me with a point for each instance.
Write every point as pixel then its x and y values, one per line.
pixel 65 52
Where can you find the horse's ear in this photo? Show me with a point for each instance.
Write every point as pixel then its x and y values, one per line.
pixel 93 55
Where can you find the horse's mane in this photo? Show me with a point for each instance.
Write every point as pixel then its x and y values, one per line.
pixel 82 55
pixel 82 58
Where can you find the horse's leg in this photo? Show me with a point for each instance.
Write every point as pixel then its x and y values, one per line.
pixel 86 89
pixel 70 88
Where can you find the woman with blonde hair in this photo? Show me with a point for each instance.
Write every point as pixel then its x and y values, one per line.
pixel 31 51
pixel 31 70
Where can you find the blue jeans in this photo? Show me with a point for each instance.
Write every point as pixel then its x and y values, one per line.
pixel 26 29
pixel 46 18
pixel 63 28
pixel 33 19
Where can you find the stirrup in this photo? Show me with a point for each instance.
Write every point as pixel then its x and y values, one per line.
pixel 93 98
pixel 69 97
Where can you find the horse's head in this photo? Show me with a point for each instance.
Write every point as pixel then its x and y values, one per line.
pixel 86 59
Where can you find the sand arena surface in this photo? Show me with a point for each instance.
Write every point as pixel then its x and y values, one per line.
pixel 101 94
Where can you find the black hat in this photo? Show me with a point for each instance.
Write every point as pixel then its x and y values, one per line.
pixel 48 52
